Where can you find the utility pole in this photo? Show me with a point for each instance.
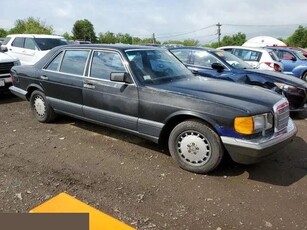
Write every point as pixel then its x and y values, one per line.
pixel 153 38
pixel 219 32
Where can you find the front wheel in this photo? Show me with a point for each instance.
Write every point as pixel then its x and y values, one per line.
pixel 195 146
pixel 40 107
pixel 304 77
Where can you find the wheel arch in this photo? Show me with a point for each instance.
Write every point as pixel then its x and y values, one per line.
pixel 179 117
pixel 31 88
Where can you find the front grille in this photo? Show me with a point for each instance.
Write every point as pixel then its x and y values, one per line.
pixel 281 111
pixel 6 67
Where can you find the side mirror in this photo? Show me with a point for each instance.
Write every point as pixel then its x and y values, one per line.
pixel 121 77
pixel 218 66
pixel 293 58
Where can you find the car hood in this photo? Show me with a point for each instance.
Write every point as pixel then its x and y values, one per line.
pixel 7 58
pixel 275 77
pixel 251 99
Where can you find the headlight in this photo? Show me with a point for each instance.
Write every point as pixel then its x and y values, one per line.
pixel 253 124
pixel 285 87
pixel 17 62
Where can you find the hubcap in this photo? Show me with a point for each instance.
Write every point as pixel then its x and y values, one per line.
pixel 193 148
pixel 39 106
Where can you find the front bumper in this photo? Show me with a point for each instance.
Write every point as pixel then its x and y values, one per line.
pixel 253 151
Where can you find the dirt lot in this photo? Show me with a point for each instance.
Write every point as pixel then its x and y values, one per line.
pixel 137 181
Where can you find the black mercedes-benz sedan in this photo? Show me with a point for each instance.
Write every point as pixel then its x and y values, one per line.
pixel 150 93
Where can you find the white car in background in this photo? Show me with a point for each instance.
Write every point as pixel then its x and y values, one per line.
pixel 259 58
pixel 29 48
pixel 6 63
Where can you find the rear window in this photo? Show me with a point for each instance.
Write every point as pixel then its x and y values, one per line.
pixel 49 43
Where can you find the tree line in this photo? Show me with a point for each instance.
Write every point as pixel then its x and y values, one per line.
pixel 84 30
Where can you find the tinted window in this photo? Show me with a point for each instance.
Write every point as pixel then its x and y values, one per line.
pixel 203 58
pixel 54 64
pixel 30 44
pixel 104 63
pixel 49 43
pixel 182 54
pixel 74 61
pixel 248 55
pixel 18 42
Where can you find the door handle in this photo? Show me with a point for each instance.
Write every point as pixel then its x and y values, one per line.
pixel 89 86
pixel 43 77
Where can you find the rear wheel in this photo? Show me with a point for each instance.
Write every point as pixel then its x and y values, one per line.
pixel 304 77
pixel 195 146
pixel 40 107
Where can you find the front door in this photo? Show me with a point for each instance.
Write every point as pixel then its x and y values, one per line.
pixel 109 102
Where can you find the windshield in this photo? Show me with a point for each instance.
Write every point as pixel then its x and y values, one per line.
pixel 299 54
pixel 155 66
pixel 49 43
pixel 232 60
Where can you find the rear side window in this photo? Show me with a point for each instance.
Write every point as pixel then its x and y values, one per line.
pixel 55 63
pixel 74 61
pixel 104 63
pixel 248 55
pixel 18 42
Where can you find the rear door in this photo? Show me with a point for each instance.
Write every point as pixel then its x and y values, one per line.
pixel 16 48
pixel 62 80
pixel 106 101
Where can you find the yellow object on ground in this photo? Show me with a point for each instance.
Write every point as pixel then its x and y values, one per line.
pixel 64 203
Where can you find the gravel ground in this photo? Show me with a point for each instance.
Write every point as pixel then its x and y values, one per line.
pixel 137 182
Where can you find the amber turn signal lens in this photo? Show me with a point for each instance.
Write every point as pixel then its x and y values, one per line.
pixel 244 125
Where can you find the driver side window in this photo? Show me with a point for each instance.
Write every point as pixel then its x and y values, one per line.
pixel 205 59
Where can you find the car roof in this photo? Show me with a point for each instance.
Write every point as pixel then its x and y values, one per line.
pixel 34 35
pixel 246 47
pixel 192 47
pixel 122 47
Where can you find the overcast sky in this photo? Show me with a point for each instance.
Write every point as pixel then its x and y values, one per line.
pixel 168 19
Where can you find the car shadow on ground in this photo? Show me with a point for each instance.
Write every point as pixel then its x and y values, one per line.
pixel 113 133
pixel 302 115
pixel 284 168
pixel 7 97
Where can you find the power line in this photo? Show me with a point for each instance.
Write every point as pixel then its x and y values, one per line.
pixel 180 34
pixel 264 25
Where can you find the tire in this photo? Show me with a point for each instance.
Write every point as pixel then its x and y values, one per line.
pixel 40 107
pixel 304 77
pixel 195 146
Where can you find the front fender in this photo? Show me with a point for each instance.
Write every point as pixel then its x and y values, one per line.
pixel 298 71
